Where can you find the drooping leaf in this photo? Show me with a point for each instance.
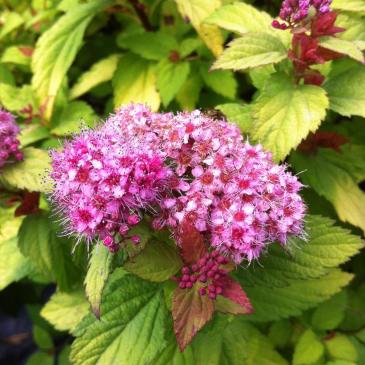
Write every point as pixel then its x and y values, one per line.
pixel 343 46
pixel 65 310
pixel 56 49
pixel 170 78
pixel 157 262
pixel 335 176
pixel 30 173
pixel 190 311
pixel 101 71
pixel 285 113
pixel 308 349
pixel 286 284
pixel 132 327
pixel 97 274
pixel 135 81
pixel 197 11
pixel 251 50
pixel 345 95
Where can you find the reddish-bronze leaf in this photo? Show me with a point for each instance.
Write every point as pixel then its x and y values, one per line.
pixel 192 246
pixel 322 139
pixel 237 301
pixel 190 312
pixel 29 204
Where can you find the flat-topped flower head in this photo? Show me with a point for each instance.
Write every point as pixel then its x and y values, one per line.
pixel 9 144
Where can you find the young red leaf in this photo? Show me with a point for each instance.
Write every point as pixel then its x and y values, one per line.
pixel 322 139
pixel 324 25
pixel 29 204
pixel 190 312
pixel 191 243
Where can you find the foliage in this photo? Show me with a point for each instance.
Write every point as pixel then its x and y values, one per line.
pixel 66 65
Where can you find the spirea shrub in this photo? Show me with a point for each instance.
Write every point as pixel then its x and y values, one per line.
pixel 182 182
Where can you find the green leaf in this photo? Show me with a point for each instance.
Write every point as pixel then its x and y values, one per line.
pixel 97 274
pixel 189 94
pixel 345 95
pixel 74 116
pixel 251 50
pixel 56 50
pixel 238 114
pixel 99 72
pixel 132 326
pixel 341 348
pixel 42 338
pixel 221 82
pixel 40 358
pixel 15 55
pixel 343 46
pixel 357 6
pixel 285 285
pixel 260 75
pixel 47 252
pixel 14 98
pixel 10 21
pixel 151 46
pixel 30 173
pixel 197 11
pixel 13 265
pixel 240 18
pixel 157 262
pixel 335 176
pixel 309 350
pixel 66 310
pixel 170 78
pixel 135 81
pixel 6 77
pixel 285 113
pixel 33 133
pixel 329 315
pixel 280 333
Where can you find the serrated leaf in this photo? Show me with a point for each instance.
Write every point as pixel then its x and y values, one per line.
pixel 56 49
pixel 251 50
pixel 190 311
pixel 97 274
pixel 74 116
pixel 65 310
pixel 52 258
pixel 357 6
pixel 285 113
pixel 151 46
pixel 341 348
pixel 197 11
pixel 99 72
pixel 13 265
pixel 157 262
pixel 343 46
pixel 132 326
pixel 329 314
pixel 170 78
pixel 240 18
pixel 33 133
pixel 354 27
pixel 30 173
pixel 286 284
pixel 345 95
pixel 309 349
pixel 241 115
pixel 135 81
pixel 221 82
pixel 14 98
pixel 334 175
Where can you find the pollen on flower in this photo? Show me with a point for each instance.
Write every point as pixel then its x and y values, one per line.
pixel 176 168
pixel 9 144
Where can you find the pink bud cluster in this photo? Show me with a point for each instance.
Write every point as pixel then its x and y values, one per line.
pixel 176 167
pixel 9 145
pixel 294 11
pixel 209 272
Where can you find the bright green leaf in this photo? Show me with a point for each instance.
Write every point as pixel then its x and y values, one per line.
pixel 170 78
pixel 357 6
pixel 135 81
pixel 343 46
pixel 15 55
pixel 33 133
pixel 340 347
pixel 285 113
pixel 65 310
pixel 15 99
pixel 9 21
pixel 251 50
pixel 131 330
pixel 308 350
pixel 100 72
pixel 238 114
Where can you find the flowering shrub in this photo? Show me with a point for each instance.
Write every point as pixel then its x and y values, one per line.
pixel 182 181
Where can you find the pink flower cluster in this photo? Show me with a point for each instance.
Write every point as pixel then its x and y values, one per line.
pixel 9 145
pixel 176 167
pixel 294 11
